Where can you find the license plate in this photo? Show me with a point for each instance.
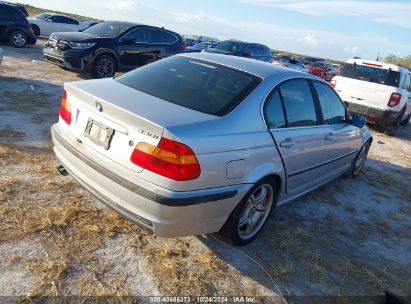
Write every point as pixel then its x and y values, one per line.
pixel 98 133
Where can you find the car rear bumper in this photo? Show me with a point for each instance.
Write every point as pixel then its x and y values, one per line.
pixel 167 213
pixel 382 118
pixel 74 61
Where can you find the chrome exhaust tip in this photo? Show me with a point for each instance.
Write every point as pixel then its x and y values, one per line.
pixel 62 170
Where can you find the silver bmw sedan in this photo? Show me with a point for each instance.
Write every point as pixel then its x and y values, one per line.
pixel 199 143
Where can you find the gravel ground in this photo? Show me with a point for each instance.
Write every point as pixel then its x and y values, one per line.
pixel 348 238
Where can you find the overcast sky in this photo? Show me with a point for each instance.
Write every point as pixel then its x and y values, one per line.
pixel 330 28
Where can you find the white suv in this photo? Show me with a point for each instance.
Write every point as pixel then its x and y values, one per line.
pixel 379 91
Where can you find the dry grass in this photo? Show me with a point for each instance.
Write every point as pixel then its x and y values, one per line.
pixel 177 272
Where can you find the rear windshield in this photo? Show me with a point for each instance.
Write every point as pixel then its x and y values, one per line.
pixel 371 74
pixel 195 84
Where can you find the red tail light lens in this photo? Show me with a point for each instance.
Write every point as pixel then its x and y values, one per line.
pixel 333 83
pixel 65 109
pixel 183 46
pixel 170 159
pixel 395 100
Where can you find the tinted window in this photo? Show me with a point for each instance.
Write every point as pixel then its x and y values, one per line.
pixel 231 46
pixel 108 29
pixel 199 85
pixel 370 74
pixel 57 19
pixel 299 103
pixel 250 50
pixel 274 113
pixel 407 83
pixel 332 108
pixel 157 36
pixel 7 12
pixel 70 21
pixel 139 35
pixel 170 37
pixel 259 51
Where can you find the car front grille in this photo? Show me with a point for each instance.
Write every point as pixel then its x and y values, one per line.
pixel 56 46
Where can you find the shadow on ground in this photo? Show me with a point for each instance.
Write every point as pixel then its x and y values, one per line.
pixel 348 238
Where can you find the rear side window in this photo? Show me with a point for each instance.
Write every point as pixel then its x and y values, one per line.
pixel 195 84
pixel 157 36
pixel 407 83
pixel 274 112
pixel 298 103
pixel 170 37
pixel 332 108
pixel 371 74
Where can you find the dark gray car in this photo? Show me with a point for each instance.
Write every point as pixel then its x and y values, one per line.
pixel 243 49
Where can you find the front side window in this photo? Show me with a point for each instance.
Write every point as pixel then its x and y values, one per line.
pixel 139 35
pixel 298 103
pixel 195 84
pixel 274 112
pixel 332 108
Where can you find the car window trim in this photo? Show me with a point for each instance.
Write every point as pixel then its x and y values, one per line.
pixel 347 115
pixel 266 99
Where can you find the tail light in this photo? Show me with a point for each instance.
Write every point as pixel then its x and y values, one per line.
pixel 395 100
pixel 333 83
pixel 170 159
pixel 183 46
pixel 65 109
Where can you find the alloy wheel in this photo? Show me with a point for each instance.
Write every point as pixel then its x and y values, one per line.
pixel 361 158
pixel 105 68
pixel 256 211
pixel 19 39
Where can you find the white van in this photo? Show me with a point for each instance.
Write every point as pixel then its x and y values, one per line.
pixel 379 91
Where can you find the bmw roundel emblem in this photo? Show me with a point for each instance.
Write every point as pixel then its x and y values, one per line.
pixel 99 107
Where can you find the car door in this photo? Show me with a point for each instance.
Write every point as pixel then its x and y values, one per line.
pixel 294 123
pixel 342 139
pixel 158 44
pixel 134 49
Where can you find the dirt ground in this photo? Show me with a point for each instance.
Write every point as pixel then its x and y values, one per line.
pixel 350 238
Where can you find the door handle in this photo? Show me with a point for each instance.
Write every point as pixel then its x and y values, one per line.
pixel 330 136
pixel 288 143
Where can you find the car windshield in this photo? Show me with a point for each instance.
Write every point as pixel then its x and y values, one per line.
pixel 191 83
pixel 231 46
pixel 371 74
pixel 108 29
pixel 42 16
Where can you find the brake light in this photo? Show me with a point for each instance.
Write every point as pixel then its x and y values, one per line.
pixel 170 159
pixel 65 109
pixel 395 100
pixel 333 83
pixel 183 46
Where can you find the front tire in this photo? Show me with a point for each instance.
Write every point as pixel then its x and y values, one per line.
pixel 358 163
pixel 36 30
pixel 104 67
pixel 249 217
pixel 18 39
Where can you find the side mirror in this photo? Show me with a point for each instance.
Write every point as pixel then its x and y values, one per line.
pixel 358 121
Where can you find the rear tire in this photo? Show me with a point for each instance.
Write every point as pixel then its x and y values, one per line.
pixel 104 66
pixel 358 163
pixel 251 214
pixel 392 130
pixel 18 39
pixel 406 122
pixel 36 30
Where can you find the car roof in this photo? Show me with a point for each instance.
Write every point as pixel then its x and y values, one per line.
pixel 255 67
